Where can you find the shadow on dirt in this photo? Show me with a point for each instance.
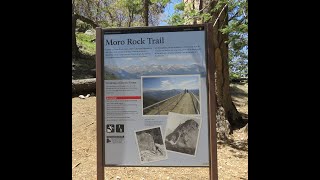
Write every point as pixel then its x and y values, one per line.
pixel 237 92
pixel 84 67
pixel 241 145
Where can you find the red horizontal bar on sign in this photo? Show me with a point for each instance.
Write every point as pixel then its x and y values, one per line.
pixel 123 97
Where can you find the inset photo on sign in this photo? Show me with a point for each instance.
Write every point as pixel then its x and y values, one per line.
pixel 182 133
pixel 171 93
pixel 120 66
pixel 151 146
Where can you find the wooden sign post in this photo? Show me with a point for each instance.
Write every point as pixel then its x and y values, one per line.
pixel 156 105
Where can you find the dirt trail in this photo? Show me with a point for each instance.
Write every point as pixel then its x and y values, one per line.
pixel 165 107
pixel 182 106
pixel 185 106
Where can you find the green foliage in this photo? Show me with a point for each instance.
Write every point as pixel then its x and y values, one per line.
pixel 112 13
pixel 82 26
pixel 237 29
pixel 206 17
pixel 133 6
pixel 163 2
pixel 176 19
pixel 234 75
pixel 183 14
pixel 85 43
pixel 179 6
pixel 238 67
pixel 119 13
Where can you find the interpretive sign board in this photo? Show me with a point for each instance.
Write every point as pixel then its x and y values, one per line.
pixel 155 97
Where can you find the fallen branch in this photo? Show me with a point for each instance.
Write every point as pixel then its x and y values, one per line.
pixel 76 165
pixel 83 86
pixel 90 124
pixel 219 15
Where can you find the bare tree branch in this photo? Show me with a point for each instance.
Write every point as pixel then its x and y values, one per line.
pixel 219 14
pixel 205 6
pixel 86 20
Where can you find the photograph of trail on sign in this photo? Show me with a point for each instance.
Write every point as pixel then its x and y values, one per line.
pixel 164 94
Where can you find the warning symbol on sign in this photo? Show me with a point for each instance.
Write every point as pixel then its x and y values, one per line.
pixel 120 128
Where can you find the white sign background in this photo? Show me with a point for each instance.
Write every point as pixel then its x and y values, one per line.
pixel 183 50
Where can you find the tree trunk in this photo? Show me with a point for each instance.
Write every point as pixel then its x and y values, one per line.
pixel 200 8
pixel 86 20
pixel 83 86
pixel 146 12
pixel 222 70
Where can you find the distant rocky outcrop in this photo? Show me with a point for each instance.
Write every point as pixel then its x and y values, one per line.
pixel 184 138
pixel 149 149
pixel 146 142
pixel 135 71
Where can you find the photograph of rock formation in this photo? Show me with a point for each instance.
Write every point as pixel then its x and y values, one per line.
pixel 182 133
pixel 150 145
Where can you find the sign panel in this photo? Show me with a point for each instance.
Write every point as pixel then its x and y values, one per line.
pixel 155 97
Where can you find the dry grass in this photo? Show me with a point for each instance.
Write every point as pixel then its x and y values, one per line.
pixel 232 156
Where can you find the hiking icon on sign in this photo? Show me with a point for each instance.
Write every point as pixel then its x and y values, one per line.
pixel 110 128
pixel 120 128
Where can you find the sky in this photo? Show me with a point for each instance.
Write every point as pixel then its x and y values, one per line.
pixel 168 11
pixel 171 82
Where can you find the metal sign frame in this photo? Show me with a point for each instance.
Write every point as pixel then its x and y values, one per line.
pixel 210 65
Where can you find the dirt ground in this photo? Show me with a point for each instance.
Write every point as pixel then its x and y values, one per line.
pixel 232 155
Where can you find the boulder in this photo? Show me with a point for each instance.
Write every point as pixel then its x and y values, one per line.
pixel 184 138
pixel 90 32
pixel 146 142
